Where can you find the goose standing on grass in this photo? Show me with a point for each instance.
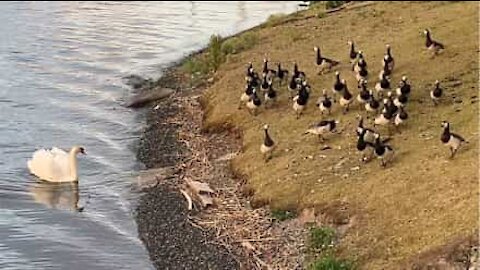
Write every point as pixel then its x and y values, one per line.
pixel 361 63
pixel 267 146
pixel 300 100
pixel 383 151
pixel 388 59
pixel 434 46
pixel 400 118
pixel 265 83
pixel 385 69
pixel 346 99
pixel 282 74
pixel 338 86
pixel 401 100
pixel 325 103
pixel 245 97
pixel 363 146
pixel 55 165
pixel 389 104
pixel 373 105
pixel 383 85
pixel 368 136
pixel 252 77
pixel 452 140
pixel 436 93
pixel 404 87
pixel 323 62
pixel 353 54
pixel 270 95
pixel 384 119
pixel 323 127
pixel 362 73
pixel 297 74
pixel 266 72
pixel 254 103
pixel 364 95
pixel 293 86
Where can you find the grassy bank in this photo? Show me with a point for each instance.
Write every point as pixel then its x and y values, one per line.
pixel 423 201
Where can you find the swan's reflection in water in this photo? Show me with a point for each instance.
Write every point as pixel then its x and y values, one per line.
pixel 57 195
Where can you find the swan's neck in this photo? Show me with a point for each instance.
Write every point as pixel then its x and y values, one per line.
pixel 73 166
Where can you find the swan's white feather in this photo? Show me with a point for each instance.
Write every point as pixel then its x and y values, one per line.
pixel 51 165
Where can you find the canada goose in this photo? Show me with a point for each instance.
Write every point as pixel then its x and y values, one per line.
pixel 383 151
pixel 385 69
pixel 400 118
pixel 361 63
pixel 368 133
pixel 364 95
pixel 382 85
pixel 265 83
pixel 431 44
pixel 325 103
pixel 389 104
pixel 384 119
pixel 353 54
pixel 297 74
pixel 373 105
pixel 401 100
pixel 252 78
pixel 282 74
pixel 346 99
pixel 363 146
pixel 323 127
pixel 300 101
pixel 388 58
pixel 404 87
pixel 436 93
pixel 254 103
pixel 245 97
pixel 323 62
pixel 338 86
pixel 362 73
pixel 293 85
pixel 266 72
pixel 267 146
pixel 270 95
pixel 452 140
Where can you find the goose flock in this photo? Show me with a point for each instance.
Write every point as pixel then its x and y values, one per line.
pixel 386 103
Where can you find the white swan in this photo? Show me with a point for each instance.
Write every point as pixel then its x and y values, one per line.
pixel 55 165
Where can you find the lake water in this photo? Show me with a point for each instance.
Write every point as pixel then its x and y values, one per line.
pixel 61 69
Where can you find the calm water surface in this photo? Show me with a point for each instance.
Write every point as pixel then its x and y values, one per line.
pixel 61 65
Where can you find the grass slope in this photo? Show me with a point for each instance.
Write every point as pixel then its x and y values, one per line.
pixel 420 202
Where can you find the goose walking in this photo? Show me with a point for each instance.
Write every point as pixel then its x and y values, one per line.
pixel 300 101
pixel 404 87
pixel 267 146
pixel 254 103
pixel 323 127
pixel 361 63
pixel 388 59
pixel 373 105
pixel 364 95
pixel 245 97
pixel 383 85
pixel 436 93
pixel 282 74
pixel 267 72
pixel 383 151
pixel 353 54
pixel 400 118
pixel 55 165
pixel 323 63
pixel 338 85
pixel 368 134
pixel 452 140
pixel 363 146
pixel 270 95
pixel 325 103
pixel 346 99
pixel 432 45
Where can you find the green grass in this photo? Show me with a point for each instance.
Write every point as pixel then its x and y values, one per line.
pixel 282 215
pixel 238 44
pixel 321 238
pixel 330 262
pixel 275 19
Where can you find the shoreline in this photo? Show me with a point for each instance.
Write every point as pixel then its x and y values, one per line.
pixel 229 235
